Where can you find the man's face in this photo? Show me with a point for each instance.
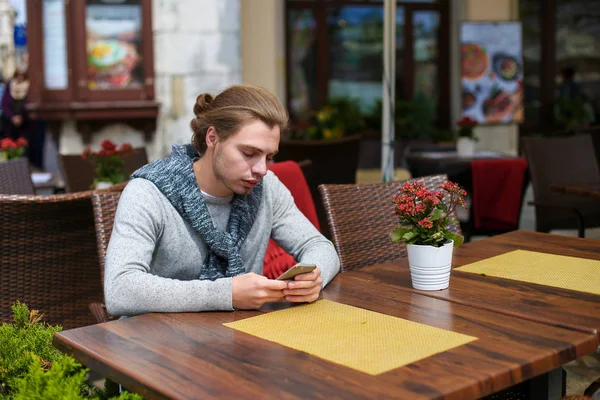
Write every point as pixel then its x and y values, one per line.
pixel 242 160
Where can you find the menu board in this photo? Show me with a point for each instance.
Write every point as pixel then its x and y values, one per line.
pixel 114 44
pixel 56 75
pixel 492 71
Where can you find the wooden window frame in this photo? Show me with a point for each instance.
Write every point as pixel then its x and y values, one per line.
pixel 319 10
pixel 82 90
pixel 35 29
pixel 91 109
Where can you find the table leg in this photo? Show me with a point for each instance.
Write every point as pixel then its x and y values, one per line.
pixel 548 386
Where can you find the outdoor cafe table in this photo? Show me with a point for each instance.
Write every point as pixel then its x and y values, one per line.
pixel 193 355
pixel 549 305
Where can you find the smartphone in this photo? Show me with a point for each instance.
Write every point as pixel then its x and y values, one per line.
pixel 296 270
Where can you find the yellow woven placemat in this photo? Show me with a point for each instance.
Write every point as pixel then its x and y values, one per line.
pixel 356 338
pixel 572 273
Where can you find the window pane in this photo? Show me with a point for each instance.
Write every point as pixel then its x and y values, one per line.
pixel 356 52
pixel 303 67
pixel 529 10
pixel 426 49
pixel 578 48
pixel 55 45
pixel 114 39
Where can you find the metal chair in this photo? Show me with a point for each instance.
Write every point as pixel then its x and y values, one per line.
pixel 361 217
pixel 562 160
pixel 15 177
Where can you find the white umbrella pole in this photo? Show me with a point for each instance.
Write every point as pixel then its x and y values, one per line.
pixel 389 91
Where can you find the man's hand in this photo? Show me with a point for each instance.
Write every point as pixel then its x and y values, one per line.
pixel 304 287
pixel 17 119
pixel 250 291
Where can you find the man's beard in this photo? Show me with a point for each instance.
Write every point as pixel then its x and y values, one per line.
pixel 219 168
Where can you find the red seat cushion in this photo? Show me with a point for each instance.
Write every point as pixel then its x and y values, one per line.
pixel 497 188
pixel 277 260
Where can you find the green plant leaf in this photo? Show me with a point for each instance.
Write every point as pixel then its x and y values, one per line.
pixel 397 234
pixel 458 240
pixel 409 236
pixel 437 214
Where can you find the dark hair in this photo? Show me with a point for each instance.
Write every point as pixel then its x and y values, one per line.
pixel 21 72
pixel 233 108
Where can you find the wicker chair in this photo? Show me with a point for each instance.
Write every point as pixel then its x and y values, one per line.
pixel 15 177
pixel 79 173
pixel 361 217
pixel 563 160
pixel 49 259
pixel 105 207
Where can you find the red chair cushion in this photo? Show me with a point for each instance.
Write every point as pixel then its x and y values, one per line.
pixel 497 188
pixel 277 260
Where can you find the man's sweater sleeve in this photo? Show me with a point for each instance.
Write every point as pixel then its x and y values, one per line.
pixel 129 286
pixel 298 236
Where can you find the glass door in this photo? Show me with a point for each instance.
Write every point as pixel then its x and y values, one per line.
pixel 425 60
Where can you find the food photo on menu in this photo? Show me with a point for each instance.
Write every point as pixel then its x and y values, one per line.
pixel 492 72
pixel 113 45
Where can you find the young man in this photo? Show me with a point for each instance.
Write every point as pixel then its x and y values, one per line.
pixel 191 230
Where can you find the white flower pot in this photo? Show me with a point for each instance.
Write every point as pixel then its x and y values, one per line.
pixel 430 266
pixel 103 185
pixel 465 147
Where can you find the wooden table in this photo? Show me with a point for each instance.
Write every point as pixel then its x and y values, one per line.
pixel 591 190
pixel 192 355
pixel 553 306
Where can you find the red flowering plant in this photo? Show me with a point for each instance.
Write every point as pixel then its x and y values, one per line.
pixel 465 127
pixel 10 149
pixel 425 215
pixel 108 161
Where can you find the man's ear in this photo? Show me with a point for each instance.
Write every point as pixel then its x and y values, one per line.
pixel 211 137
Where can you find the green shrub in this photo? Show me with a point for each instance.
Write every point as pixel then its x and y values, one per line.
pixel 31 368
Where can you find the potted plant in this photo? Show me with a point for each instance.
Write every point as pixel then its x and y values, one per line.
pixel 465 144
pixel 340 117
pixel 108 163
pixel 424 218
pixel 11 149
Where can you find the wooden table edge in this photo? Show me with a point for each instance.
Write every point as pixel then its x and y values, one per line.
pixel 102 366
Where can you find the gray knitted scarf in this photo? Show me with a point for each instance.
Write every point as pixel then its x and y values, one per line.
pixel 174 177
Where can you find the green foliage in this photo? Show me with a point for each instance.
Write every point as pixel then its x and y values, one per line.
pixel 31 368
pixel 64 380
pixel 19 340
pixel 20 314
pixel 412 118
pixel 343 116
pixel 339 118
pixel 572 113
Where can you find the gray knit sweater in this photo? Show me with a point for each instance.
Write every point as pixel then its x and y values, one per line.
pixel 154 256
